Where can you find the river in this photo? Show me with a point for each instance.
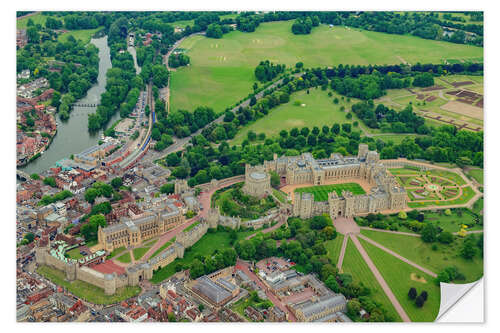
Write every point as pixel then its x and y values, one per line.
pixel 72 135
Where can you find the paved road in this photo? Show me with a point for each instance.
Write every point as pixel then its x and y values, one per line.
pixel 380 280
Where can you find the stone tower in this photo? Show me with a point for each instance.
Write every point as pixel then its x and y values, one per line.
pixel 362 151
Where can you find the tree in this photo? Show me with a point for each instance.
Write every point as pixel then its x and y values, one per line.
pixel 30 237
pixel 116 182
pixel 201 307
pixel 319 222
pixel 468 249
pixel 402 215
pixel 424 295
pixel 445 237
pixel 447 212
pixel 214 30
pixel 91 194
pixel 429 233
pixel 419 301
pixel 35 176
pixel 332 283
pixel 275 179
pixel 197 269
pixel 412 293
pixel 167 188
pixel 50 181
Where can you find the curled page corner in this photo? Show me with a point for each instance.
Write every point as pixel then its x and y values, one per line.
pixel 452 296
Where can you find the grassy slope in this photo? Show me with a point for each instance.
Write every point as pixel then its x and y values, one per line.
pixel 478 175
pixel 421 253
pixel 223 68
pixel 355 265
pixel 205 246
pixel 37 19
pixel 397 274
pixel 85 290
pixel 84 35
pixel 319 110
pixel 333 248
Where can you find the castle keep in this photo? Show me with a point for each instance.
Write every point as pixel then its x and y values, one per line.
pixel 385 193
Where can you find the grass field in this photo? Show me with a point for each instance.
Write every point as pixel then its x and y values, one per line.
pixel 163 247
pixel 125 258
pixel 205 246
pixel 355 265
pixel 452 223
pixel 84 35
pixel 319 110
pixel 116 251
pixel 333 248
pixel 74 253
pixel 85 290
pixel 221 70
pixel 477 174
pixel 139 252
pixel 401 277
pixel 321 192
pixel 37 18
pixel 421 253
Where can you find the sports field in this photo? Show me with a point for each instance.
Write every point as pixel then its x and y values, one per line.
pixel 221 70
pixel 401 277
pixel 321 192
pixel 315 109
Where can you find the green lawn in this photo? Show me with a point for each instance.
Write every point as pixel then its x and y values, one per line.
pixel 37 18
pixel 139 252
pixel 74 253
pixel 163 247
pixel 401 277
pixel 84 35
pixel 319 110
pixel 116 251
pixel 355 265
pixel 191 226
pixel 321 192
pixel 151 242
pixel 333 248
pixel 395 138
pixel 85 290
pixel 477 174
pixel 125 258
pixel 282 197
pixel 421 253
pixel 452 223
pixel 205 246
pixel 221 70
pixel 404 171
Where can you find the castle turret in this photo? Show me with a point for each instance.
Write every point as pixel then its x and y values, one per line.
pixel 362 151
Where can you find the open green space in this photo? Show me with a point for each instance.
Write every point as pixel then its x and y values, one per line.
pixel 85 290
pixel 467 194
pixel 84 35
pixel 395 138
pixel 37 18
pixel 405 171
pixel 163 247
pixel 116 252
pixel 315 109
pixel 151 242
pixel 205 246
pixel 281 196
pixel 447 174
pixel 74 253
pixel 191 226
pixel 222 70
pixel 421 253
pixel 477 174
pixel 320 192
pixel 355 265
pixel 125 258
pixel 139 252
pixel 333 248
pixel 401 277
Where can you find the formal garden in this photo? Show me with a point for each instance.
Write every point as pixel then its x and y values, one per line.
pixel 433 187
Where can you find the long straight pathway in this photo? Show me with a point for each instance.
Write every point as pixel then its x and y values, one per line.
pixel 380 279
pixel 342 252
pixel 409 262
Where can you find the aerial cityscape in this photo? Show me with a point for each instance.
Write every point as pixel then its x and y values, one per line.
pixel 253 166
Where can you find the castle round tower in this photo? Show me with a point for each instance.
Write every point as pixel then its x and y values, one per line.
pixel 257 181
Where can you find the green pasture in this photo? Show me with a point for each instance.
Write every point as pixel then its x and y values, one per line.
pixel 221 70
